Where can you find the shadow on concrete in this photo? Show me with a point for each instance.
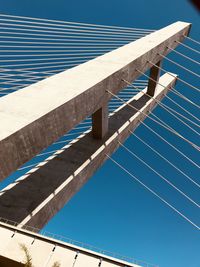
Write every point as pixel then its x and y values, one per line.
pixel 5 262
pixel 60 178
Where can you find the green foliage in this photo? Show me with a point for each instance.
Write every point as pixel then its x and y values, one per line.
pixel 56 264
pixel 28 260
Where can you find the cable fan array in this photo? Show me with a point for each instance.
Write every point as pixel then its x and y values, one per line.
pixel 33 49
pixel 182 110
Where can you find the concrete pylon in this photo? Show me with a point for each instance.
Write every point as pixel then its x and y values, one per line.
pixel 34 118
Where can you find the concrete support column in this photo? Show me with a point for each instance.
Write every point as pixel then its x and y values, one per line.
pixel 100 122
pixel 154 77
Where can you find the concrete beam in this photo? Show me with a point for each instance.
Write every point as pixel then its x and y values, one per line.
pixel 37 196
pixel 35 117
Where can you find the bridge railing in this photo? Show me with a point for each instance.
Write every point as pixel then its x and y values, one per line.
pixel 56 237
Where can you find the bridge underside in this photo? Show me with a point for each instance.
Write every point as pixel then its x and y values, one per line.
pixel 36 197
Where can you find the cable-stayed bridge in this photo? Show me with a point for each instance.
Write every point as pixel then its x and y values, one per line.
pixel 71 95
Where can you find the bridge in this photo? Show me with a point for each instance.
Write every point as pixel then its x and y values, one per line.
pixel 35 116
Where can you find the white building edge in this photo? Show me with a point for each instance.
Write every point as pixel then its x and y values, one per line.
pixel 45 251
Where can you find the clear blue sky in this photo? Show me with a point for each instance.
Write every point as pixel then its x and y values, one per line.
pixel 111 211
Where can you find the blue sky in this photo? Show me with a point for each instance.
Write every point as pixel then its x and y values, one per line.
pixel 112 211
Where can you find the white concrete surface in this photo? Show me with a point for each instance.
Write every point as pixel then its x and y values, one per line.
pixel 45 251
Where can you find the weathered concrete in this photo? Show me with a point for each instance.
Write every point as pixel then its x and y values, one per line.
pixel 100 122
pixel 33 118
pixel 46 251
pixel 36 197
pixel 153 78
